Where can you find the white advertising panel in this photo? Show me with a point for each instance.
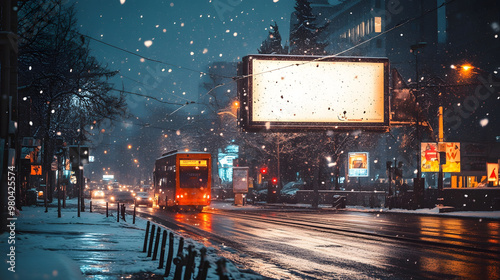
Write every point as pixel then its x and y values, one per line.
pixel 307 92
pixel 240 179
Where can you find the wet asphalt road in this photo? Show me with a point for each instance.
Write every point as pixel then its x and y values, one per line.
pixel 346 245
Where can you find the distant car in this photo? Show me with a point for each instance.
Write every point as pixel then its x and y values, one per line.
pixel 123 196
pixel 97 194
pixel 143 198
pixel 289 191
pixel 261 195
pixel 289 195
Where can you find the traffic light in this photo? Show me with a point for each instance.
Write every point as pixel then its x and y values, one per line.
pixel 79 156
pixel 263 170
pixel 273 191
pixel 84 155
pixel 73 156
pixel 59 146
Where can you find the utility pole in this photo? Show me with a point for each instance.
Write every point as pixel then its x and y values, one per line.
pixel 415 49
pixel 440 140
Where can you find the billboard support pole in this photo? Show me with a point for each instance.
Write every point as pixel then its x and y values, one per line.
pixel 315 198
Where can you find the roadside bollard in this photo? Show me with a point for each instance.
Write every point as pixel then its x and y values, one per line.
pixel 179 260
pixel 222 270
pixel 123 212
pixel 162 249
pixel 170 256
pixel 203 254
pixel 153 227
pixel 190 263
pixel 91 206
pixel 157 241
pixel 107 213
pixel 118 212
pixel 181 246
pixel 133 219
pixel 203 272
pixel 145 236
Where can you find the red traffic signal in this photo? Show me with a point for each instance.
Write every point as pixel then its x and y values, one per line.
pixel 274 180
pixel 263 170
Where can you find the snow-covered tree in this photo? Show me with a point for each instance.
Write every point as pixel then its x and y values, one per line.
pixel 305 34
pixel 272 44
pixel 64 88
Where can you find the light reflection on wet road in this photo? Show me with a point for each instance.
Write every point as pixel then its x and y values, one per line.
pixel 349 245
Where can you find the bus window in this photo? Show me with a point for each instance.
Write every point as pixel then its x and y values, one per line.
pixel 193 173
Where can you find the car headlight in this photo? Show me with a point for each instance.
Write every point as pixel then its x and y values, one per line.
pixel 113 198
pixel 138 198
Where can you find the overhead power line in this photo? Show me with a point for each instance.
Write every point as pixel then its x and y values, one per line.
pixel 236 78
pixel 147 58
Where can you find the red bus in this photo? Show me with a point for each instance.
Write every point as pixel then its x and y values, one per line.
pixel 182 180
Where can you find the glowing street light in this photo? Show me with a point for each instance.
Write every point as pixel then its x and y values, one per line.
pixel 465 67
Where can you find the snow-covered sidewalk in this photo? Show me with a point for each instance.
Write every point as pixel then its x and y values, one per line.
pixel 91 246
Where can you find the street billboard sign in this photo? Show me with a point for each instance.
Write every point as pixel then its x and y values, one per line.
pixel 283 93
pixel 452 157
pixel 36 170
pixel 240 180
pixel 429 157
pixel 492 172
pixel 358 164
pixel 430 160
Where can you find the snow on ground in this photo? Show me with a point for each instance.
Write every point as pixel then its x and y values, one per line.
pixel 99 247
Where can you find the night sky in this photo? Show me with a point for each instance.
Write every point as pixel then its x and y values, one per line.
pixel 186 35
pixel 161 49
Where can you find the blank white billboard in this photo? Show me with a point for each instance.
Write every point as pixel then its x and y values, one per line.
pixel 303 92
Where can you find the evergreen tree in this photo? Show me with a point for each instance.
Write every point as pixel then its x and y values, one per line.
pixel 272 44
pixel 305 35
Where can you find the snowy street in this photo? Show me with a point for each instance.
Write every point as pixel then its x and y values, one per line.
pixel 92 245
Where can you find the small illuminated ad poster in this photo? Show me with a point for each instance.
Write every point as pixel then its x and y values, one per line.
pixel 358 164
pixel 492 171
pixel 452 157
pixel 429 157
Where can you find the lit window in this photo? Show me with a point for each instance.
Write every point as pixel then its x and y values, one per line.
pixel 378 24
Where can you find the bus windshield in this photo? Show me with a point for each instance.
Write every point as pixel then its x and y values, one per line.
pixel 193 173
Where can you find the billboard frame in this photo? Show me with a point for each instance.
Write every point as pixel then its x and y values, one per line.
pixel 246 118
